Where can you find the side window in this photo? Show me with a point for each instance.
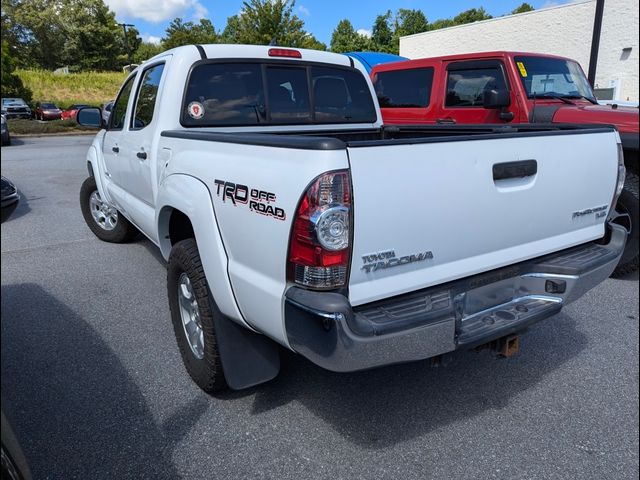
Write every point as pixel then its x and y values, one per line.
pixel 404 88
pixel 465 88
pixel 116 119
pixel 147 94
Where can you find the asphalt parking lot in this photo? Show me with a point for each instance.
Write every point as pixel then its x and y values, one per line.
pixel 93 384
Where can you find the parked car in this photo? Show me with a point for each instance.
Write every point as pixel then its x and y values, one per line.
pixel 4 129
pixel 371 59
pixel 9 198
pixel 511 88
pixel 15 108
pixel 106 111
pixel 72 111
pixel 289 214
pixel 47 111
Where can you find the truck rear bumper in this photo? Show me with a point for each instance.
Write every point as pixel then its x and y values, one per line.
pixel 465 313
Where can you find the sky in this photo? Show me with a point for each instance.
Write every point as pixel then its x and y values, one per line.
pixel 151 17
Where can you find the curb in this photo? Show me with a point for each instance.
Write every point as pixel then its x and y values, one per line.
pixel 53 134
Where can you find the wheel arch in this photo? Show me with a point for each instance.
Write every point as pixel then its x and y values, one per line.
pixel 185 210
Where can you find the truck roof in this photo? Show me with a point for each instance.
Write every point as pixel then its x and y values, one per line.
pixel 218 50
pixel 464 56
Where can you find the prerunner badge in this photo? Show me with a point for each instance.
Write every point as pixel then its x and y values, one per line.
pixel 196 110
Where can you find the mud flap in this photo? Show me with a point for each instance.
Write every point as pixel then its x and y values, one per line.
pixel 247 358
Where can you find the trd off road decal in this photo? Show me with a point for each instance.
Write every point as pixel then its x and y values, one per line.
pixel 259 201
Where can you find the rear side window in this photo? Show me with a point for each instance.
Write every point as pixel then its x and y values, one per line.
pixel 237 94
pixel 465 88
pixel 147 95
pixel 116 119
pixel 404 88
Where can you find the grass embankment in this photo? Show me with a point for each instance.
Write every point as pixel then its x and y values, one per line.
pixel 92 88
pixel 19 126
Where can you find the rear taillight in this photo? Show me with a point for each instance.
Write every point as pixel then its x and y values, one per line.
pixel 622 172
pixel 320 245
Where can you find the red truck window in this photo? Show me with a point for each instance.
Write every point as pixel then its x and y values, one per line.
pixel 549 76
pixel 404 88
pixel 465 87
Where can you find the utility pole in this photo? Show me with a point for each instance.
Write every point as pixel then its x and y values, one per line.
pixel 595 42
pixel 126 41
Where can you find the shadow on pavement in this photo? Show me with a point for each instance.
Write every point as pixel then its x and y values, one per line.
pixel 633 276
pixel 75 410
pixel 15 142
pixel 386 406
pixel 22 209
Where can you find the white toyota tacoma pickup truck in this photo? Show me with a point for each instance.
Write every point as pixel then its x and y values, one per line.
pixel 289 214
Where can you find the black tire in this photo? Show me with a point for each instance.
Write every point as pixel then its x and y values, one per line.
pixel 206 372
pixel 629 203
pixel 122 232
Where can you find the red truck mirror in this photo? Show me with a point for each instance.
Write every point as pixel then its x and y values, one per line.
pixel 496 99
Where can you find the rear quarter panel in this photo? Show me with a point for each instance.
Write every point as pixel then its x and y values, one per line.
pixel 256 244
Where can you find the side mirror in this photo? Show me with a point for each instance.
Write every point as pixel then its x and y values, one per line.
pixel 89 117
pixel 496 99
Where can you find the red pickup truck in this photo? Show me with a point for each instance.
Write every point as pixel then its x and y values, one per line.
pixel 505 88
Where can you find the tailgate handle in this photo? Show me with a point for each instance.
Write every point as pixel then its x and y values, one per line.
pixel 519 169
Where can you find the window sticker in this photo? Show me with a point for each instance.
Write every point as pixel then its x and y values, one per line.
pixel 196 110
pixel 523 71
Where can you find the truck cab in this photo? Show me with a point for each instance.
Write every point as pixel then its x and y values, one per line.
pixel 510 88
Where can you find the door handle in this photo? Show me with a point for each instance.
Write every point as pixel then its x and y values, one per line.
pixel 115 149
pixel 142 155
pixel 446 121
pixel 520 169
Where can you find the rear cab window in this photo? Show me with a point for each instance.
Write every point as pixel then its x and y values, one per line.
pixel 404 88
pixel 274 93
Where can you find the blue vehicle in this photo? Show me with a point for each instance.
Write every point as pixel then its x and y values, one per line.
pixel 371 59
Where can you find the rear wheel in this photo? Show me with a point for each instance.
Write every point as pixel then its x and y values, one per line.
pixel 105 221
pixel 629 204
pixel 192 314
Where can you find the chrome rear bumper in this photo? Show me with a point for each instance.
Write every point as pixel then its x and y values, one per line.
pixel 466 313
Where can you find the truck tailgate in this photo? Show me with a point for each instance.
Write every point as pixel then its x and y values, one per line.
pixel 427 213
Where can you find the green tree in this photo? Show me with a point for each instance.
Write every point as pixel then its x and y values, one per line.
pixel 525 7
pixel 145 51
pixel 54 33
pixel 230 34
pixel 408 22
pixel 441 23
pixel 180 33
pixel 263 22
pixel 471 15
pixel 11 85
pixel 382 34
pixel 94 39
pixel 345 39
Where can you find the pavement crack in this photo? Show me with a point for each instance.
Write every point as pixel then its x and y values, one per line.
pixel 47 245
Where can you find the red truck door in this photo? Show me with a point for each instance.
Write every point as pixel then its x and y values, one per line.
pixel 464 86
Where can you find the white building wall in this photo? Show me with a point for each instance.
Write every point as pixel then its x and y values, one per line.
pixel 564 30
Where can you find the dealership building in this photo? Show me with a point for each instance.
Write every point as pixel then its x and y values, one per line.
pixel 564 30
